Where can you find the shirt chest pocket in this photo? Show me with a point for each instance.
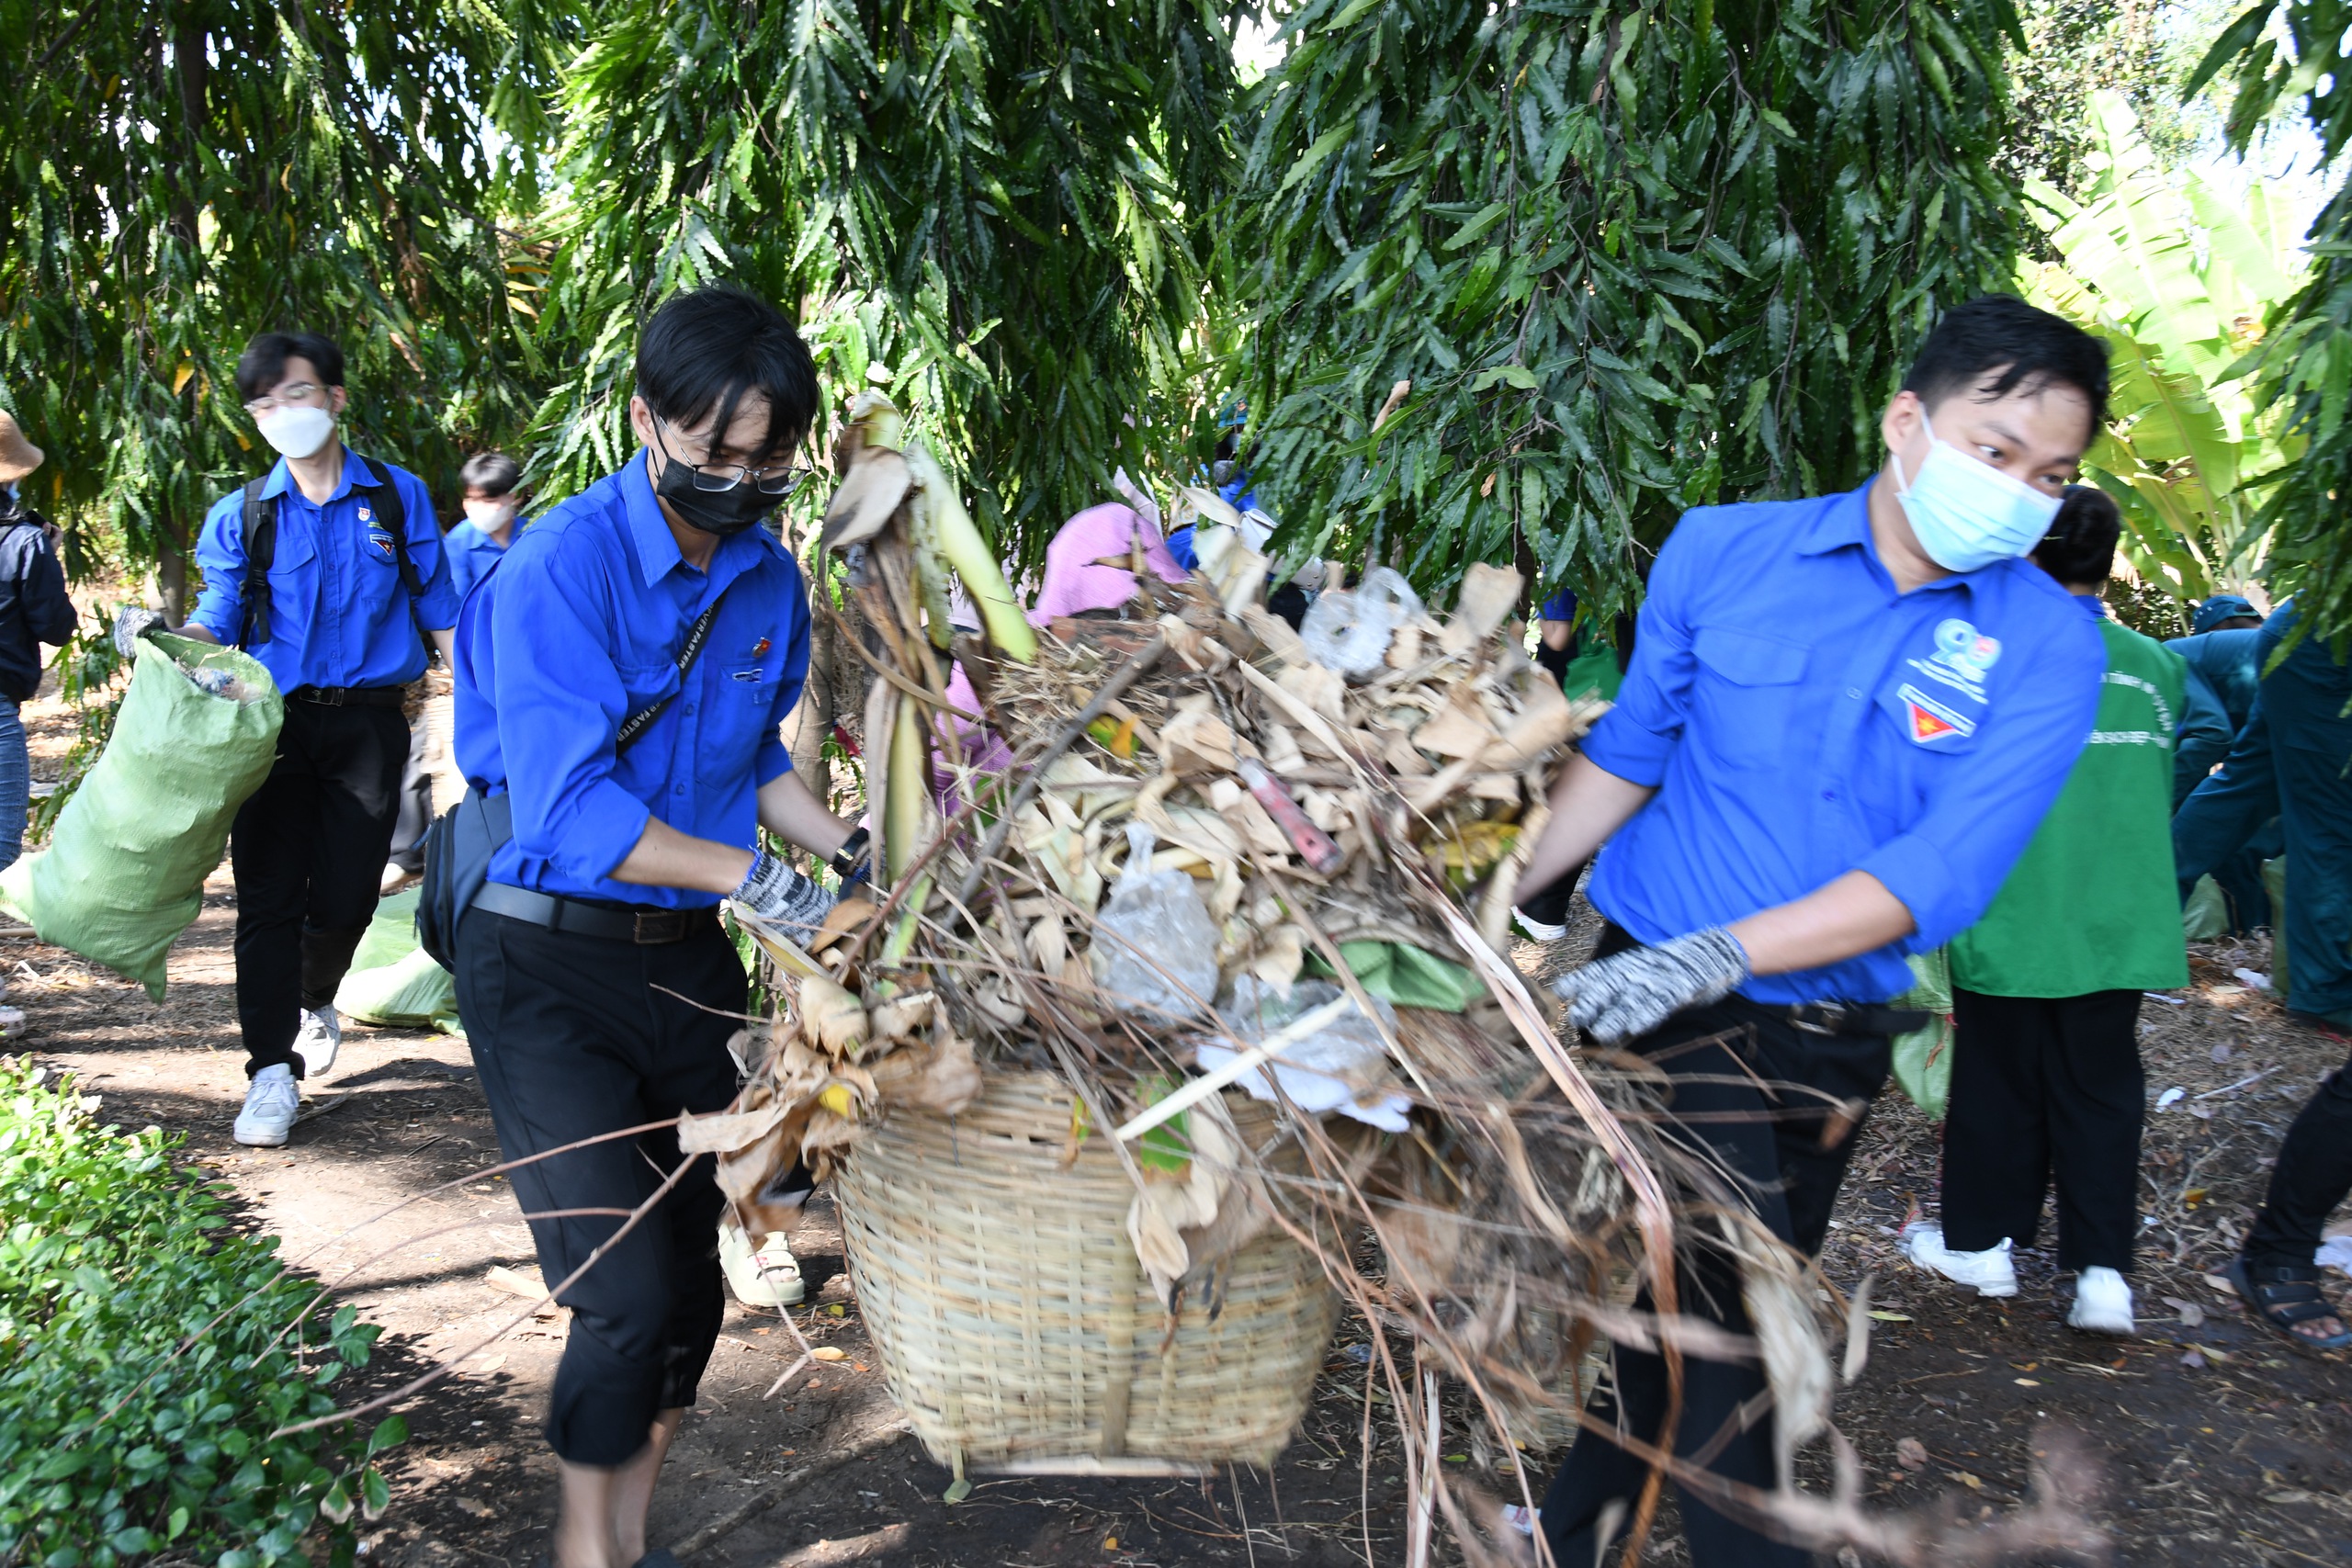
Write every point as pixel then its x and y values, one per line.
pixel 737 705
pixel 294 569
pixel 1744 698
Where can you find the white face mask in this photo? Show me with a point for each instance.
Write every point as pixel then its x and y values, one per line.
pixel 1967 514
pixel 490 516
pixel 296 432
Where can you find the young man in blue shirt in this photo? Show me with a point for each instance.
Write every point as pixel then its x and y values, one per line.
pixel 1844 718
pixel 328 570
pixel 492 510
pixel 621 677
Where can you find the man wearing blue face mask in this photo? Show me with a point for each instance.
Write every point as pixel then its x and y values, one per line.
pixel 1844 718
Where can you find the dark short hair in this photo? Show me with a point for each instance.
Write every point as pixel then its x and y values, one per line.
pixel 2027 347
pixel 2080 545
pixel 705 349
pixel 492 473
pixel 263 365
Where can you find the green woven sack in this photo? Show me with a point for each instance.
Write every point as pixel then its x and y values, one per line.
pixel 1922 1065
pixel 393 982
pixel 123 873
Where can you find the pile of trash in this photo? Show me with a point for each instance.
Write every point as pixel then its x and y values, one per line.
pixel 1227 855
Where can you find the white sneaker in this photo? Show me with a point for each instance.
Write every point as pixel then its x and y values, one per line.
pixel 2103 1304
pixel 762 1276
pixel 1990 1270
pixel 317 1042
pixel 272 1102
pixel 1535 930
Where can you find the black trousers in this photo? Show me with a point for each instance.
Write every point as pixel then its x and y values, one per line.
pixel 1757 1102
pixel 573 1039
pixel 2043 1088
pixel 412 813
pixel 2314 1174
pixel 308 853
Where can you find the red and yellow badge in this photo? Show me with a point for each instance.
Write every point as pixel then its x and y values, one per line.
pixel 1926 726
pixel 759 648
pixel 1930 721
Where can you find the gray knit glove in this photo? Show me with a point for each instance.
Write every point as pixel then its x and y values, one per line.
pixel 131 623
pixel 777 893
pixel 1632 992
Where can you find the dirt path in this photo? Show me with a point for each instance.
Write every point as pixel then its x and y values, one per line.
pixel 2235 1454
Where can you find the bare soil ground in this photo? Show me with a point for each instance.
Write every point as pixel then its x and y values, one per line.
pixel 2220 1444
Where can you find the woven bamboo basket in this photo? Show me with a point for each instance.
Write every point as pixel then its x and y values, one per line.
pixel 1016 1327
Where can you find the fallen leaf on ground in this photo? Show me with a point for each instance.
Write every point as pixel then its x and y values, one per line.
pixel 1973 1483
pixel 2192 1314
pixel 2220 1284
pixel 830 1353
pixel 1911 1454
pixel 2192 1360
pixel 469 1505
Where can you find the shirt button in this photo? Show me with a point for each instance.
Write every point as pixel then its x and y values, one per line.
pixel 1829 795
pixel 690 710
pixel 680 790
pixel 1853 691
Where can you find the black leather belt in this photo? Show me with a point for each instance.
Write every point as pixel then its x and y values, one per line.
pixel 1847 1018
pixel 352 696
pixel 614 922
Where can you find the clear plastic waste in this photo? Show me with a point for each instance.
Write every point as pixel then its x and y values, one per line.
pixel 1154 946
pixel 1348 630
pixel 1342 1067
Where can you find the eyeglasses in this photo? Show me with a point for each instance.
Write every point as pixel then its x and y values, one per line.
pixel 719 477
pixel 296 395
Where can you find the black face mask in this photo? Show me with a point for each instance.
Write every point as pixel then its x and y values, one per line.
pixel 720 512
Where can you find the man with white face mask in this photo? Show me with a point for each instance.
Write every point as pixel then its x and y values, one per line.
pixel 329 570
pixel 1844 718
pixel 492 510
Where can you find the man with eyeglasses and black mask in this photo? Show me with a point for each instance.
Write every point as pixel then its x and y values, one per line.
pixel 622 673
pixel 329 570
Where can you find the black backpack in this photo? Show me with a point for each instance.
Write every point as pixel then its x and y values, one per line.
pixel 261 545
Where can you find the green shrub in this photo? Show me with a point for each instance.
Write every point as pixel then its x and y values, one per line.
pixel 116 1444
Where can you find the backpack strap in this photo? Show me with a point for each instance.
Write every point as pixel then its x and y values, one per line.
pixel 394 511
pixel 261 549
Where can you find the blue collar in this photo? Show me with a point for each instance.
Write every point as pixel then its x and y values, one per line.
pixel 356 472
pixel 1844 520
pixel 656 548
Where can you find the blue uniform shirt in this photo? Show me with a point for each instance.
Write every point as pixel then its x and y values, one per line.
pixel 1801 720
pixel 579 626
pixel 338 613
pixel 471 551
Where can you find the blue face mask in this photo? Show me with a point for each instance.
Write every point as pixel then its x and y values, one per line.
pixel 1966 513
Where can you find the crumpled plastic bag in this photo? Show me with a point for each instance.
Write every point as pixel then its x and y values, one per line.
pixel 1154 946
pixel 1349 631
pixel 1342 1067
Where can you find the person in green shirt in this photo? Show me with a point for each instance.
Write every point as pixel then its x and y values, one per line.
pixel 2046 1077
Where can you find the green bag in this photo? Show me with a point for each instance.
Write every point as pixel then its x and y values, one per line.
pixel 1923 1058
pixel 123 873
pixel 2206 915
pixel 1406 977
pixel 394 982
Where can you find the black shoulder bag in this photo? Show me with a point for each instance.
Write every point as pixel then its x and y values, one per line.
pixel 460 844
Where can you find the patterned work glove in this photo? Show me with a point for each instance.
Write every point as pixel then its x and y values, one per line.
pixel 131 623
pixel 777 893
pixel 1632 992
